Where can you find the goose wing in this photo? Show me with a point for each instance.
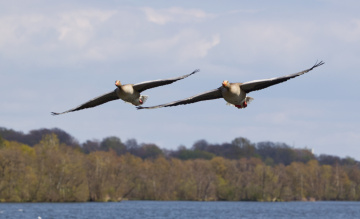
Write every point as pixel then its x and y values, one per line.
pixel 156 83
pixel 209 95
pixel 261 84
pixel 94 102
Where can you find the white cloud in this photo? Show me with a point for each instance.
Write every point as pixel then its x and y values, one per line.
pixel 186 45
pixel 199 48
pixel 78 35
pixel 19 29
pixel 175 14
pixel 78 27
pixel 50 36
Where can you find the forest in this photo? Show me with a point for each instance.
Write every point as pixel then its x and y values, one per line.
pixel 49 165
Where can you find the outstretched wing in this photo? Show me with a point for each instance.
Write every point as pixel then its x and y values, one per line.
pixel 94 102
pixel 209 95
pixel 156 83
pixel 261 84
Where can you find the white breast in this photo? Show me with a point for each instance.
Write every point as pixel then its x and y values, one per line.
pixel 234 95
pixel 128 94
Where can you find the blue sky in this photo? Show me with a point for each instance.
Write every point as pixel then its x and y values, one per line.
pixel 55 56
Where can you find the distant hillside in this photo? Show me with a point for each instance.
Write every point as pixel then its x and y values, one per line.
pixel 269 152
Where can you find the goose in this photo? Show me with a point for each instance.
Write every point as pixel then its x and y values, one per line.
pixel 130 93
pixel 235 94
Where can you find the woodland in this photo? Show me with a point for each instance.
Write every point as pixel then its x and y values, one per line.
pixel 49 165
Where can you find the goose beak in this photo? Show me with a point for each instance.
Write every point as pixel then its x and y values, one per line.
pixel 224 84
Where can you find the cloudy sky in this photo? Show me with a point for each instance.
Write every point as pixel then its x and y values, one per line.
pixel 55 56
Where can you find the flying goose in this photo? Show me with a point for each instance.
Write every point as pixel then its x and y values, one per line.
pixel 129 93
pixel 235 93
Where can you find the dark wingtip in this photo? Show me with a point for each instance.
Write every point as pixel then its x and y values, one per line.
pixel 318 64
pixel 196 70
pixel 149 107
pixel 55 114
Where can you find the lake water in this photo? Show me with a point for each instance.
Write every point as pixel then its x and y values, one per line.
pixel 181 209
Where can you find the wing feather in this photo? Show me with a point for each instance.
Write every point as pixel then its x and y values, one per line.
pixel 94 102
pixel 156 83
pixel 261 84
pixel 209 95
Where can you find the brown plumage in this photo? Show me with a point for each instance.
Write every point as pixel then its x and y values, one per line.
pixel 129 93
pixel 234 93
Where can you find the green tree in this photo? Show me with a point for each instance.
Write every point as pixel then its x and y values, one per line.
pixel 113 143
pixel 16 173
pixel 59 171
pixel 150 151
pixel 99 171
pixel 247 148
pixel 2 143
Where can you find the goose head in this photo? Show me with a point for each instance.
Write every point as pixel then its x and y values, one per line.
pixel 226 84
pixel 117 83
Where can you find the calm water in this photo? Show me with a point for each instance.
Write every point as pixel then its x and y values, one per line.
pixel 176 209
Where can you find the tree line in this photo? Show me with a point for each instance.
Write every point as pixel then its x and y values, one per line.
pixel 269 152
pixel 52 171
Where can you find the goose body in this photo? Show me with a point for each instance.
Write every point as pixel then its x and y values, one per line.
pixel 130 93
pixel 234 93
